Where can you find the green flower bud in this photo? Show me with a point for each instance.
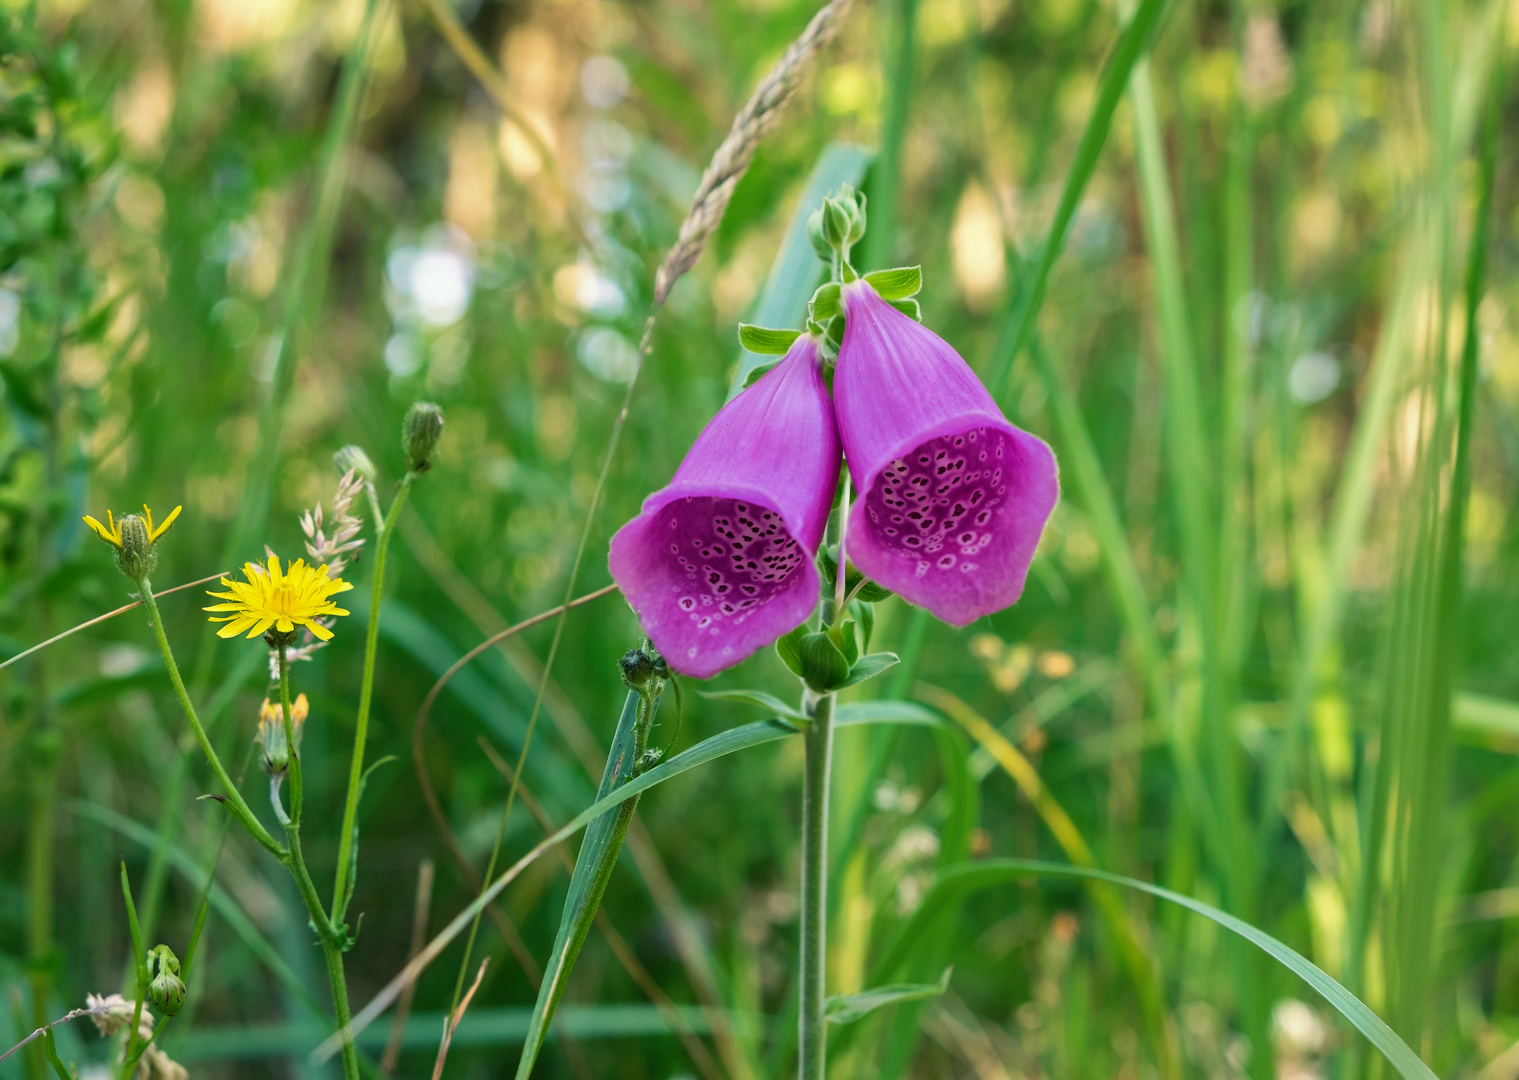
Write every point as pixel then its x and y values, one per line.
pixel 167 990
pixel 354 458
pixel 820 243
pixel 420 434
pixel 136 557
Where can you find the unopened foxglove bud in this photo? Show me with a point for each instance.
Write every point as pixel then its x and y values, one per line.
pixel 353 458
pixel 420 434
pixel 135 557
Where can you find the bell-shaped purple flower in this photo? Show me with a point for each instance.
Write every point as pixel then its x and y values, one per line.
pixel 720 562
pixel 950 498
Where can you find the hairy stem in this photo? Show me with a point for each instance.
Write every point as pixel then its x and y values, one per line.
pixel 813 1042
pixel 342 885
pixel 232 796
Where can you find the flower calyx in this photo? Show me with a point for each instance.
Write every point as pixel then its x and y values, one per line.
pixel 830 660
pixel 167 990
pixel 825 311
pixel 420 433
pixel 134 539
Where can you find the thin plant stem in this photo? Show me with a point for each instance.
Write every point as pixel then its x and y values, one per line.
pixel 818 742
pixel 332 950
pixel 231 796
pixel 343 886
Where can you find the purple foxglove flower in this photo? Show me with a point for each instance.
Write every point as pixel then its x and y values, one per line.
pixel 720 562
pixel 951 498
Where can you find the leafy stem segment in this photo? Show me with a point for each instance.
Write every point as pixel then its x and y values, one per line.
pixel 343 887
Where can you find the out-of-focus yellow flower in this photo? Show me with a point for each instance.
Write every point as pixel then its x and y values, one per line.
pixel 271 733
pixel 111 532
pixel 277 599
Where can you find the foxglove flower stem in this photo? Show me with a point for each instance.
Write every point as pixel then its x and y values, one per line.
pixel 818 741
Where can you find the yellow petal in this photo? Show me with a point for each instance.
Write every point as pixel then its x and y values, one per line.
pixel 317 629
pixel 154 534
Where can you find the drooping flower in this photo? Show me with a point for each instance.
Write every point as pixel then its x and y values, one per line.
pixel 720 562
pixel 951 498
pixel 278 600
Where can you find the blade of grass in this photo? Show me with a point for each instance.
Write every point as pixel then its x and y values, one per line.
pixel 1132 43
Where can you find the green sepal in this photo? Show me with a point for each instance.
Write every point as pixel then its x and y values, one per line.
pixel 868 667
pixel 758 372
pixel 909 308
pixel 837 224
pixel 759 699
pixel 898 283
pixel 839 1009
pixel 789 649
pixel 823 665
pixel 826 302
pixel 760 339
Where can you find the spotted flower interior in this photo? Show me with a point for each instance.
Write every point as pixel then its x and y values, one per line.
pixel 726 560
pixel 936 505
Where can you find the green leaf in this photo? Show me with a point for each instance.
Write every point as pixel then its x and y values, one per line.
pixel 909 308
pixel 761 700
pixel 758 372
pixel 823 665
pixel 767 342
pixel 898 283
pixel 825 302
pixel 588 882
pixel 955 881
pixel 868 667
pixel 789 649
pixel 865 615
pixel 849 643
pixel 839 1009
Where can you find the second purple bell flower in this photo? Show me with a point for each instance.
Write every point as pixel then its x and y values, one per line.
pixel 951 498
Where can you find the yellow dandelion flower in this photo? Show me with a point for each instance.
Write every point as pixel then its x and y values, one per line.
pixel 111 532
pixel 278 599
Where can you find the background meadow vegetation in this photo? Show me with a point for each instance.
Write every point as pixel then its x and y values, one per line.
pixel 1265 657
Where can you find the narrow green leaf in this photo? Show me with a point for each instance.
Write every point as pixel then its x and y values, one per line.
pixel 588 882
pixel 1020 323
pixel 766 342
pixel 846 1010
pixel 898 283
pixel 759 699
pixel 955 881
pixel 868 667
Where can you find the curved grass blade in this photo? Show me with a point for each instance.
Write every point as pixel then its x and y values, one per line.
pixel 593 869
pixel 954 882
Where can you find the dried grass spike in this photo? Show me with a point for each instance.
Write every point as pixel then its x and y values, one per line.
pixel 731 161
